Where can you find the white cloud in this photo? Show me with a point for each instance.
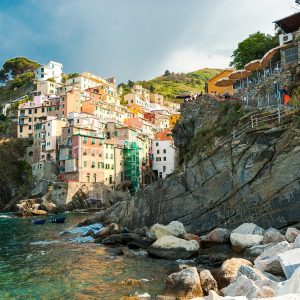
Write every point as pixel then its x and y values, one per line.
pixel 189 59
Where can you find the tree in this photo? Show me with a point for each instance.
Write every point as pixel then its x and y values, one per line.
pixel 253 47
pixel 167 73
pixel 17 66
pixel 152 88
pixel 130 83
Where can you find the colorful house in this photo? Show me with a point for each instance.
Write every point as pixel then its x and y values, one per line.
pixel 211 87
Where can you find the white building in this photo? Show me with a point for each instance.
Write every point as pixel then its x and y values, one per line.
pixel 51 70
pixel 164 157
pixel 45 87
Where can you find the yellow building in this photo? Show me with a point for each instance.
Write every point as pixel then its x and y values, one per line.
pixel 211 84
pixel 173 119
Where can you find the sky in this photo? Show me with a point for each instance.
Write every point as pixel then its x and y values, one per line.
pixel 133 39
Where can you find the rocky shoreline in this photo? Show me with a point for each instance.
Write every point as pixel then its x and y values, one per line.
pixel 248 262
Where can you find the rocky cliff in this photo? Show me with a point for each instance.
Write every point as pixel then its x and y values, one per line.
pixel 15 173
pixel 253 179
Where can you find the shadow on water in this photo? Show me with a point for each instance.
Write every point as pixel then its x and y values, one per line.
pixel 37 262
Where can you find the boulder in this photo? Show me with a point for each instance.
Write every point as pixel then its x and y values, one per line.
pixel 207 282
pixel 266 292
pixel 268 261
pixel 214 296
pixel 141 231
pixel 171 247
pixel 291 234
pixel 47 206
pixel 140 243
pixel 192 237
pixel 230 267
pixel 290 261
pixel 103 232
pixel 38 212
pixel 174 228
pixel 297 242
pixel 218 235
pixel 251 273
pixel 120 239
pixel 114 228
pixel 243 286
pixel 291 286
pixel 184 284
pixel 257 250
pixel 249 228
pixel 273 235
pixel 241 241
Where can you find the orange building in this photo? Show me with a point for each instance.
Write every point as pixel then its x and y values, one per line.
pixel 165 135
pixel 211 84
pixel 173 119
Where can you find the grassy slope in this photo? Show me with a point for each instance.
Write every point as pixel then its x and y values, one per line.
pixel 175 84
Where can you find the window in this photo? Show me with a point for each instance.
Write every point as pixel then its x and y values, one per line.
pixel 291 55
pixel 29 119
pixel 112 166
pixel 99 165
pixel 93 141
pixel 93 164
pixel 69 130
pixel 29 127
pixel 29 111
pixel 165 151
pixel 164 168
pixel 116 133
pixel 156 144
pixel 85 164
pixel 85 140
pixel 165 158
pixel 111 156
pixel 21 128
pixel 157 151
pixel 110 179
pixel 158 158
pixel 93 153
pixel 84 152
pixel 35 110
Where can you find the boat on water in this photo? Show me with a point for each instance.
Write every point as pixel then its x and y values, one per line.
pixel 58 220
pixel 39 222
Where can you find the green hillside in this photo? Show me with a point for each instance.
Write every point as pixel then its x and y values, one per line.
pixel 173 84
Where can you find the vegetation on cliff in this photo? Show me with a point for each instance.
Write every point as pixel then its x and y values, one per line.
pixel 253 47
pixel 172 84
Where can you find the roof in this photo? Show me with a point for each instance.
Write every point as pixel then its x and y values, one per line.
pixel 223 72
pixel 290 23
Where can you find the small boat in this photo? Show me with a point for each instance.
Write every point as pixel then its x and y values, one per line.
pixel 58 220
pixel 38 222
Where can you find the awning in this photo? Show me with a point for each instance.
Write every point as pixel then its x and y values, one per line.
pixel 290 23
pixel 239 74
pixel 270 54
pixel 256 65
pixel 223 82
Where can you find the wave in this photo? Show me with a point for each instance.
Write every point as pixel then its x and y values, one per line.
pixel 6 217
pixel 43 243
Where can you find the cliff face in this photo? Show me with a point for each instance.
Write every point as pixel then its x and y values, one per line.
pixel 15 174
pixel 254 179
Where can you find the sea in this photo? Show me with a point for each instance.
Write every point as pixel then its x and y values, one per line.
pixel 54 261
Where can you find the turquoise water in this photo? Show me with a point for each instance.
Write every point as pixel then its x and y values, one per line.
pixel 38 262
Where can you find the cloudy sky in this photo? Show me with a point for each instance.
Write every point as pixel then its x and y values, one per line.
pixel 133 39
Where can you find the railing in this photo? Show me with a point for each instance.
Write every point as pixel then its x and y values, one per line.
pixel 256 121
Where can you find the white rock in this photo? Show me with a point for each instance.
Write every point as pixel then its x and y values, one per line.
pixel 290 261
pixel 175 228
pixel 242 286
pixel 292 285
pixel 172 247
pixel 297 242
pixel 268 261
pixel 243 241
pixel 291 234
pixel 249 228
